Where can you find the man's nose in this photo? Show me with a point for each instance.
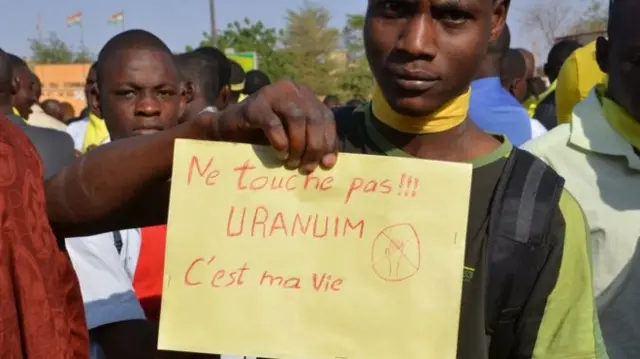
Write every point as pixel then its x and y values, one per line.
pixel 419 37
pixel 148 106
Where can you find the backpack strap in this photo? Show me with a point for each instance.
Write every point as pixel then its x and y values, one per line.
pixel 522 209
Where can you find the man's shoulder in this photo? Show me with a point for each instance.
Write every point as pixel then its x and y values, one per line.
pixel 552 144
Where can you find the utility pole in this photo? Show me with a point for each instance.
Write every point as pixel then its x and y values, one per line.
pixel 212 13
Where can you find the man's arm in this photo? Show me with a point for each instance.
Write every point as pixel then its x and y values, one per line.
pixel 108 187
pixel 560 319
pixel 124 184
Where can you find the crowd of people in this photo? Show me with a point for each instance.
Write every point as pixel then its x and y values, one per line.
pixel 551 265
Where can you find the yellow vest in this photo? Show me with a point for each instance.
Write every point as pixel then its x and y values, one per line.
pixel 579 74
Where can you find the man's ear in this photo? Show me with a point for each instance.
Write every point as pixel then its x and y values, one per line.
pixel 94 103
pixel 498 19
pixel 603 48
pixel 188 91
pixel 15 84
pixel 224 98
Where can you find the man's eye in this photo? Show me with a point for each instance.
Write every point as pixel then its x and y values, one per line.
pixel 166 93
pixel 391 8
pixel 451 16
pixel 126 93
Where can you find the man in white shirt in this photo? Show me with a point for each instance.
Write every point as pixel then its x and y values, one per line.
pixel 598 155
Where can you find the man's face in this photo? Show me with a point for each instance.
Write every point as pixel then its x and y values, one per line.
pixel 26 91
pixel 91 81
pixel 141 95
pixel 424 53
pixel 619 57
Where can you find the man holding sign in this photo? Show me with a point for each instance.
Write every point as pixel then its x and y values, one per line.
pixel 423 54
pixel 527 289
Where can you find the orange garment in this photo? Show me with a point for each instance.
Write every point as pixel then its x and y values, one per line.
pixel 147 280
pixel 41 311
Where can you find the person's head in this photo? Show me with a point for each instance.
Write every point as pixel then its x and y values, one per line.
pixel 618 55
pixel 6 78
pixel 254 81
pixel 38 88
pixel 138 90
pixel 354 102
pixel 25 86
pixel 513 74
pixel 530 62
pixel 424 53
pixel 237 81
pixel 68 112
pixel 90 83
pixel 331 101
pixel 202 81
pixel 52 108
pixel 224 73
pixel 558 54
pixel 536 86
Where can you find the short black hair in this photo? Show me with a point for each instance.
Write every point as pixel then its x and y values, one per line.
pixel 218 57
pixel 558 54
pixel 514 66
pixel 536 86
pixel 201 70
pixel 6 73
pixel 254 81
pixel 620 13
pixel 128 40
pixel 331 99
pixel 237 73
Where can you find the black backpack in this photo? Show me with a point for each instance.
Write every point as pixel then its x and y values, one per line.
pixel 523 206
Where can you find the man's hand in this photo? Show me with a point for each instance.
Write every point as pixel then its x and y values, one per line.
pixel 290 117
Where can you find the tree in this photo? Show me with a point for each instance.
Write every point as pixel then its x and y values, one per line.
pixel 594 19
pixel 352 36
pixel 55 51
pixel 549 18
pixel 311 45
pixel 253 37
pixel 357 81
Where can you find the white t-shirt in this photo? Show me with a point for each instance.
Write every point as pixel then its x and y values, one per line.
pixel 105 276
pixel 537 129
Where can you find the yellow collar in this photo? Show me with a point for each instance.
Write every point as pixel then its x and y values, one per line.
pixel 447 117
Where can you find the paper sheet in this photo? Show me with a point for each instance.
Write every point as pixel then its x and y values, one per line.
pixel 362 261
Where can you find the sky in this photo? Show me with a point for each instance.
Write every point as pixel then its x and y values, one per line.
pixel 178 23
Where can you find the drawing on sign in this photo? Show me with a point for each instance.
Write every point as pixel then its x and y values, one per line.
pixel 395 255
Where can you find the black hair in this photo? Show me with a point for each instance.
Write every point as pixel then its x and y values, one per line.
pixel 254 81
pixel 514 66
pixel 536 86
pixel 128 40
pixel 329 99
pixel 558 54
pixel 223 63
pixel 237 73
pixel 622 11
pixel 201 70
pixel 6 73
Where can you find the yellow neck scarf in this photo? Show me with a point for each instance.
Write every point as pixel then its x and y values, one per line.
pixel 625 126
pixel 96 133
pixel 447 117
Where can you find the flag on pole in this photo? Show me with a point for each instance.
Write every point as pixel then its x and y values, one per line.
pixel 74 19
pixel 117 18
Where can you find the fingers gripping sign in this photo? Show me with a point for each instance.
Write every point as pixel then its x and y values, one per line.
pixel 298 126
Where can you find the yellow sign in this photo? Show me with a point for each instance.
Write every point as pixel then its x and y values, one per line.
pixel 362 261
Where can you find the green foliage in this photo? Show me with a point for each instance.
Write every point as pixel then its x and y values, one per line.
pixel 306 50
pixel 595 18
pixel 52 50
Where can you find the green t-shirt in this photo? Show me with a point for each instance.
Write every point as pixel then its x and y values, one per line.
pixel 559 320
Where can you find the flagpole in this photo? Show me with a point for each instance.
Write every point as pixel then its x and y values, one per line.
pixel 122 12
pixel 81 33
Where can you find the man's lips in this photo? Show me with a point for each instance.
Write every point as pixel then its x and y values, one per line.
pixel 413 79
